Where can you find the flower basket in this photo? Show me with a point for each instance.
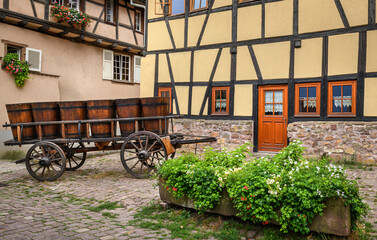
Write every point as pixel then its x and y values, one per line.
pixel 69 16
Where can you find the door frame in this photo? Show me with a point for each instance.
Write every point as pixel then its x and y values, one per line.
pixel 260 102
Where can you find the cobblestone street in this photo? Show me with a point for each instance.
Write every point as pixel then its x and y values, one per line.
pixel 58 210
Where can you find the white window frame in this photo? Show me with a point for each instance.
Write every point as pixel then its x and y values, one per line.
pixel 128 71
pixel 138 20
pixel 71 2
pixel 135 69
pixel 40 59
pixel 111 13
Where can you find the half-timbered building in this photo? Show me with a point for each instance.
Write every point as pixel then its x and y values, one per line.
pixel 268 71
pixel 98 61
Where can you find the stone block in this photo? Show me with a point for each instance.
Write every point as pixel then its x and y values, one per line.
pixel 349 151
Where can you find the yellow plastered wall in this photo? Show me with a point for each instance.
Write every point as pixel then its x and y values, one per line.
pixel 152 10
pixel 273 59
pixel 177 28
pixel 221 3
pixel 196 104
pixel 243 100
pixel 182 95
pixel 308 58
pixel 223 68
pixel 180 64
pixel 195 25
pixel 158 36
pixel 218 29
pixel 245 67
pixel 203 64
pixel 163 69
pixel 370 97
pixel 318 15
pixel 371 51
pixel 356 11
pixel 279 18
pixel 343 54
pixel 247 17
pixel 147 76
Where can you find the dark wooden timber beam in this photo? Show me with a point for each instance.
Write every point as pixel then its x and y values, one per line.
pixel 44 28
pixel 23 22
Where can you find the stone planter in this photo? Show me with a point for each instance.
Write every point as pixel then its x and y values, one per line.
pixel 336 218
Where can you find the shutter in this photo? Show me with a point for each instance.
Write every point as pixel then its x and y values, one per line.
pixel 34 58
pixel 108 64
pixel 137 66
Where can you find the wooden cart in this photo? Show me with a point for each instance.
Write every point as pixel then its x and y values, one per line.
pixel 140 152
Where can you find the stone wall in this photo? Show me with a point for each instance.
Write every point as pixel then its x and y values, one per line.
pixel 229 133
pixel 352 141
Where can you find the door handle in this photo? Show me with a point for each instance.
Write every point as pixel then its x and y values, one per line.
pixel 285 121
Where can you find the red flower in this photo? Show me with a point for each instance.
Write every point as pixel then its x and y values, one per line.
pixel 299 215
pixel 266 222
pixel 167 188
pixel 304 215
pixel 242 198
pixel 253 216
pixel 246 188
pixel 174 189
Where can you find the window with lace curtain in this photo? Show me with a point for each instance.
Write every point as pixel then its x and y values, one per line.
pixel 220 101
pixel 307 100
pixel 342 99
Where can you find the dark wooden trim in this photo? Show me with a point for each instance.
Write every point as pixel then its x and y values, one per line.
pixel 333 119
pixel 342 13
pixel 342 77
pixel 47 10
pixel 263 27
pixel 324 89
pixel 255 116
pixel 95 3
pixel 218 117
pixel 208 92
pixel 156 66
pixel 361 68
pixel 132 26
pixel 187 8
pixel 174 93
pixel 308 80
pixel 125 26
pixel 40 1
pixel 210 5
pixel 191 82
pixel 170 33
pixel 98 20
pixel 295 17
pixel 33 7
pixel 233 77
pixel 6 4
pixel 371 74
pixel 372 12
pixel 117 21
pixel 255 63
pixel 291 82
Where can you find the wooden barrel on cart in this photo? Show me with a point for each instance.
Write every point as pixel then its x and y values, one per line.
pixel 128 108
pixel 46 112
pixel 21 113
pixel 153 107
pixel 101 109
pixel 73 110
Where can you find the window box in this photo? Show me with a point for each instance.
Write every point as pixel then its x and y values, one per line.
pixel 69 14
pixel 342 99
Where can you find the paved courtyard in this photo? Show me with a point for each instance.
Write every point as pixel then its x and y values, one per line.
pixel 58 210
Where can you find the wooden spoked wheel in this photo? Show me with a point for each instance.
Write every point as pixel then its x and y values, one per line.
pixel 141 152
pixel 45 161
pixel 74 159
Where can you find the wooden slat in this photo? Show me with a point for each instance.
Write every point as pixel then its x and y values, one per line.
pixel 87 130
pixel 136 126
pixel 169 147
pixel 112 129
pixel 159 126
pixel 63 131
pixel 40 132
pixel 19 137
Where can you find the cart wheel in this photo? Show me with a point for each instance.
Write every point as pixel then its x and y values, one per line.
pixel 45 161
pixel 141 152
pixel 74 159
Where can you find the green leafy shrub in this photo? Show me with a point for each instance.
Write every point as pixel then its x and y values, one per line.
pixel 287 188
pixel 19 69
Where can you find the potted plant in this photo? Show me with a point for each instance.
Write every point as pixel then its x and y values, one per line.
pixel 72 16
pixel 19 69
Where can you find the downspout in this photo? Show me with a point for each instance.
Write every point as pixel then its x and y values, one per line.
pixel 145 17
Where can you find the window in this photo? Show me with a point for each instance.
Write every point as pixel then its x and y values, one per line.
pixel 166 92
pixel 12 47
pixel 198 4
pixel 168 7
pixel 34 58
pixel 110 11
pixel 177 7
pixel 342 99
pixel 307 101
pixel 137 67
pixel 138 21
pixel 68 3
pixel 220 100
pixel 273 102
pixel 121 67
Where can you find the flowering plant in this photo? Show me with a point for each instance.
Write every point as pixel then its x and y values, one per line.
pixel 19 69
pixel 288 188
pixel 71 15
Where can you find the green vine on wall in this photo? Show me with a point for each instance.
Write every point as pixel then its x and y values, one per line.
pixel 19 69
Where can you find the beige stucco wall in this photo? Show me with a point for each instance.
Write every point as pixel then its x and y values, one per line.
pixel 308 58
pixel 79 67
pixel 147 75
pixel 195 25
pixel 370 97
pixel 197 101
pixel 180 63
pixel 343 53
pixel 371 51
pixel 203 64
pixel 245 67
pixel 221 3
pixel 318 15
pixel 273 59
pixel 177 28
pixel 356 11
pixel 243 100
pixel 249 16
pixel 182 95
pixel 279 18
pixel 158 36
pixel 163 70
pixel 218 29
pixel 223 67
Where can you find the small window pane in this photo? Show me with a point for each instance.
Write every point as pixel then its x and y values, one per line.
pixel 302 92
pixel 312 92
pixel 278 110
pixel 217 106
pixel 278 96
pixel 337 105
pixel 223 106
pixel 302 106
pixel 269 96
pixel 336 91
pixel 178 6
pixel 269 109
pixel 217 95
pixel 223 95
pixel 347 91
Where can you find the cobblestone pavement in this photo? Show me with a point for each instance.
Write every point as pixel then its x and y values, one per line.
pixel 57 210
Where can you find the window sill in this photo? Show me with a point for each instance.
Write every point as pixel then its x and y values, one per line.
pixel 307 115
pixel 141 32
pixel 342 115
pixel 121 81
pixel 220 114
pixel 198 10
pixel 110 23
pixel 44 74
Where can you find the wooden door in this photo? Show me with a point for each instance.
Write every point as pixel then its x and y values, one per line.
pixel 273 117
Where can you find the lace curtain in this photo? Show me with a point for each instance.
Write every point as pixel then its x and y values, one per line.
pixel 312 102
pixel 346 102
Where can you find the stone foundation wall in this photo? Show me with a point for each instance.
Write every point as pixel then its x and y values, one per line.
pixel 229 133
pixel 354 141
